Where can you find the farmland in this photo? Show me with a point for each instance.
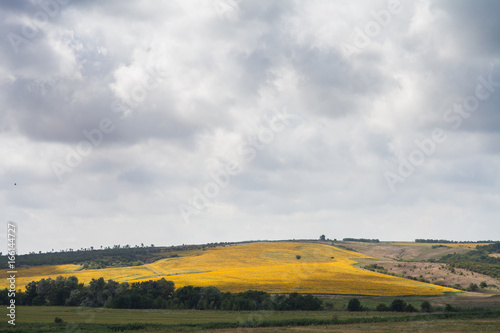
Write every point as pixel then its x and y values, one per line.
pixel 40 319
pixel 281 267
pixel 333 271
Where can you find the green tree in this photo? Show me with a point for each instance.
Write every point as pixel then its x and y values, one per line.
pixel 31 292
pixel 473 287
pixel 210 298
pixel 483 284
pixel 4 297
pixel 410 308
pixel 188 296
pixel 398 305
pixel 354 305
pixel 322 237
pixel 425 306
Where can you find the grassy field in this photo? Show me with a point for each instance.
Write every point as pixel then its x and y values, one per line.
pixel 41 319
pixel 442 326
pixel 337 307
pixel 282 267
pixel 40 314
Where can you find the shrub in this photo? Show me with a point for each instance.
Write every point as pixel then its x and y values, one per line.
pixel 298 257
pixel 58 320
pixel 483 284
pixel 425 306
pixel 354 305
pixel 398 305
pixel 382 307
pixel 410 308
pixel 473 287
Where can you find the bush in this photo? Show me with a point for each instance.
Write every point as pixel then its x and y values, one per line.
pixel 425 306
pixel 298 257
pixel 398 305
pixel 410 308
pixel 354 305
pixel 473 287
pixel 58 320
pixel 483 284
pixel 382 307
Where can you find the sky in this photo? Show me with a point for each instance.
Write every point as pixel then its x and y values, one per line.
pixel 198 121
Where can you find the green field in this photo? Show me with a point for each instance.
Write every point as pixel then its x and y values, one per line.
pixel 442 326
pixel 77 319
pixel 337 306
pixel 46 314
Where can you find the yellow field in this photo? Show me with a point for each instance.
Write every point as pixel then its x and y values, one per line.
pixel 271 267
pixel 463 245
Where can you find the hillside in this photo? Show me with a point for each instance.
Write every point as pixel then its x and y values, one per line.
pixel 407 251
pixel 108 257
pixel 279 267
pixel 447 264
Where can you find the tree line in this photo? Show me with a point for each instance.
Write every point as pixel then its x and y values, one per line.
pixel 421 240
pixel 118 256
pixel 158 294
pixel 397 305
pixel 364 240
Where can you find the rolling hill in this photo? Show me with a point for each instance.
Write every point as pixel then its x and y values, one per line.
pixel 274 267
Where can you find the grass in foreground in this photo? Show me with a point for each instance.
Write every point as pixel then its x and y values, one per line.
pixel 46 314
pixel 444 322
pixel 442 326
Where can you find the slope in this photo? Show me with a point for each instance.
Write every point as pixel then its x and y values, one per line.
pixel 277 267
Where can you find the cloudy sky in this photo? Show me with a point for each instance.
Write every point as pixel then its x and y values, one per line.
pixel 195 121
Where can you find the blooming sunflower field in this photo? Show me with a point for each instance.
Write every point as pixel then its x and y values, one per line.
pixel 274 267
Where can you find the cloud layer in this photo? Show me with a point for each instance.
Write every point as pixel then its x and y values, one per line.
pixel 202 121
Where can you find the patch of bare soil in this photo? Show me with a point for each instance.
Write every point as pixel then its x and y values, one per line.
pixel 438 273
pixel 405 260
pixel 402 252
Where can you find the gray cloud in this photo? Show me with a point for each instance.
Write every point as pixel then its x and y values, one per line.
pixel 114 115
